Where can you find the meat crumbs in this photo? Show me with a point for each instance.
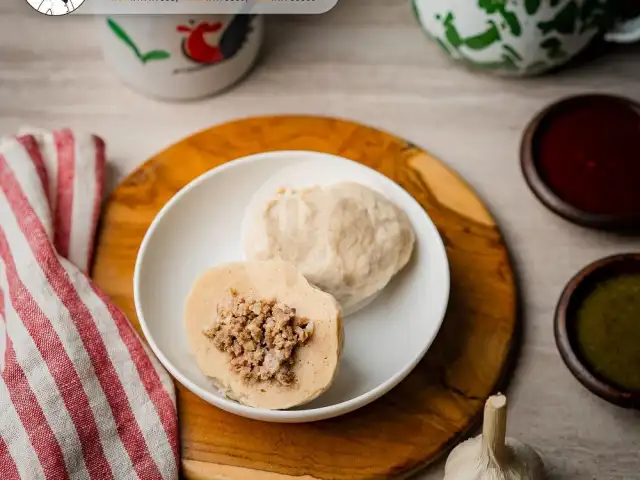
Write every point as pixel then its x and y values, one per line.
pixel 260 337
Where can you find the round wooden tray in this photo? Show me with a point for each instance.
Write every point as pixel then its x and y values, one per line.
pixel 419 419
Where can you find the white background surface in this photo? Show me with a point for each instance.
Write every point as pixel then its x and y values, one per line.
pixel 367 60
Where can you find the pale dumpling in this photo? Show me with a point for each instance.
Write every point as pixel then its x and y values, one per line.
pixel 314 363
pixel 345 238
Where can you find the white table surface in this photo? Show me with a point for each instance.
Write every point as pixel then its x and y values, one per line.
pixel 367 60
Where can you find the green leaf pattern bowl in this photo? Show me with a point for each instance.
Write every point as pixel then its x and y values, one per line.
pixel 515 37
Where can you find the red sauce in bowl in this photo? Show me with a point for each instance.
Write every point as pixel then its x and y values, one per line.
pixel 587 151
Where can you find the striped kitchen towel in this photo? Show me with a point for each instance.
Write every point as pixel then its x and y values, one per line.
pixel 80 395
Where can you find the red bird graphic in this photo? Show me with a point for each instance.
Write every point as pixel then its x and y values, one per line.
pixel 195 47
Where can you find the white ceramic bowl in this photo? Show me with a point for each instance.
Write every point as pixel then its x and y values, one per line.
pixel 201 227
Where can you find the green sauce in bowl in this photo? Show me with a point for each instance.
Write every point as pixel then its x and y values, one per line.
pixel 608 331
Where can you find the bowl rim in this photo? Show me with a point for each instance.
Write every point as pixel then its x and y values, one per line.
pixel 565 342
pixel 541 189
pixel 285 416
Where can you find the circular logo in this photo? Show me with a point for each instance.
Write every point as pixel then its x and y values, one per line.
pixel 55 7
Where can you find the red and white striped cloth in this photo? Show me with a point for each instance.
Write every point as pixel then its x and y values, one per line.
pixel 80 396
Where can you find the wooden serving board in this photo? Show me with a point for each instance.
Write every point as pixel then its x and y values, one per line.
pixel 418 420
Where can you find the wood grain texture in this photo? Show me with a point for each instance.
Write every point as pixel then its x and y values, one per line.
pixel 426 413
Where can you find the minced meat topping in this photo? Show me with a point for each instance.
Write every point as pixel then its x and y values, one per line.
pixel 260 337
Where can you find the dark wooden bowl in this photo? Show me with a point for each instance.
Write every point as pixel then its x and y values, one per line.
pixel 565 319
pixel 545 194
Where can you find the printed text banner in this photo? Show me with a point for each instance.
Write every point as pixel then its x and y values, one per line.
pixel 203 7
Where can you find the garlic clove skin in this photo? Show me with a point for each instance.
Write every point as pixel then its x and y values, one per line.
pixel 493 456
pixel 468 461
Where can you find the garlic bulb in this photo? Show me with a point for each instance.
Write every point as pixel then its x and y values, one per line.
pixel 491 456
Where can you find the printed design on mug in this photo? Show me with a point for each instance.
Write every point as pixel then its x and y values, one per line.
pixel 199 48
pixel 55 7
pixel 152 55
pixel 502 40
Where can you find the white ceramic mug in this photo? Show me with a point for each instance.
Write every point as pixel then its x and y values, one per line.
pixel 180 57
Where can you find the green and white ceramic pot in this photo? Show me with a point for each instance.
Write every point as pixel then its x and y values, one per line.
pixel 520 37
